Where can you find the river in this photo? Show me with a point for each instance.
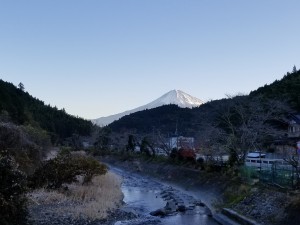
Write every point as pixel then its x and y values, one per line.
pixel 143 195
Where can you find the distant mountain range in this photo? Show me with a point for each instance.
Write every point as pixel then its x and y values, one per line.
pixel 175 97
pixel 193 122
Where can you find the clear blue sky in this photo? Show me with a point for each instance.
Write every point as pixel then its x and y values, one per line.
pixel 96 58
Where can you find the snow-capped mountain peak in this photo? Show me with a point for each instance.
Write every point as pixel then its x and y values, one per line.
pixel 175 97
pixel 179 98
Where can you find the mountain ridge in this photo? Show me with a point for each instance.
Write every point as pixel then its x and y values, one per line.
pixel 193 122
pixel 19 107
pixel 176 97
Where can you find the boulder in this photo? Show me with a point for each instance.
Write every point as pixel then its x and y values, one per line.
pixel 181 208
pixel 170 206
pixel 159 212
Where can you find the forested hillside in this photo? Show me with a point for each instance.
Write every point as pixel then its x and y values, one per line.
pixel 216 122
pixel 164 118
pixel 288 88
pixel 21 108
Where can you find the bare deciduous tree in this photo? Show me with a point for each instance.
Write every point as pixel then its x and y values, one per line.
pixel 243 125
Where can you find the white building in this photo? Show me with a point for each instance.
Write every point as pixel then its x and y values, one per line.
pixel 259 161
pixel 181 142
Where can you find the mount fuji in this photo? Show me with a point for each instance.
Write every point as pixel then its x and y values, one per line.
pixel 175 97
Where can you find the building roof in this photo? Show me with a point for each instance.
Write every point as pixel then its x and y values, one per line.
pixel 255 155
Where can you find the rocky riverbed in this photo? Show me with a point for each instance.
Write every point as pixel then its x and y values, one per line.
pixel 157 203
pixel 266 205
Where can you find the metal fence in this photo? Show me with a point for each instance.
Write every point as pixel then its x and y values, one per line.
pixel 277 175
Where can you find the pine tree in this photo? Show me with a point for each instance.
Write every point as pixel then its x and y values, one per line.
pixel 21 86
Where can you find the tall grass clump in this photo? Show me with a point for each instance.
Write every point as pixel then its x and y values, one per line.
pixel 93 200
pixel 103 194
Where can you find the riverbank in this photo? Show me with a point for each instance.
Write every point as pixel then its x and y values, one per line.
pixel 264 204
pixel 77 204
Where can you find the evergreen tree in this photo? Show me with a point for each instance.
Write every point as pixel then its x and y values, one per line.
pixel 145 147
pixel 21 86
pixel 131 143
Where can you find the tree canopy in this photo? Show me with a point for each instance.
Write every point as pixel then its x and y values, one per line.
pixel 22 108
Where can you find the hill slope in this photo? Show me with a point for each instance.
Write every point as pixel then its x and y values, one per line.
pixel 21 108
pixel 288 88
pixel 164 118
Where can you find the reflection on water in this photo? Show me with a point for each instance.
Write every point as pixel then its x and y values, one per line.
pixel 188 219
pixel 143 200
pixel 143 195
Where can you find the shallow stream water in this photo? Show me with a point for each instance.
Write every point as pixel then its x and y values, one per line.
pixel 143 195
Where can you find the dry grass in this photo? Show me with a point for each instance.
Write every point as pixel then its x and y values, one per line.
pixel 43 196
pixel 103 195
pixel 92 201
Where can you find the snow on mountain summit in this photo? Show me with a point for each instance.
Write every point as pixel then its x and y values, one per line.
pixel 179 98
pixel 175 97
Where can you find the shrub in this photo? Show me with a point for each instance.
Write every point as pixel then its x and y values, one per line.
pixel 21 146
pixel 37 135
pixel 65 169
pixel 65 151
pixel 13 209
